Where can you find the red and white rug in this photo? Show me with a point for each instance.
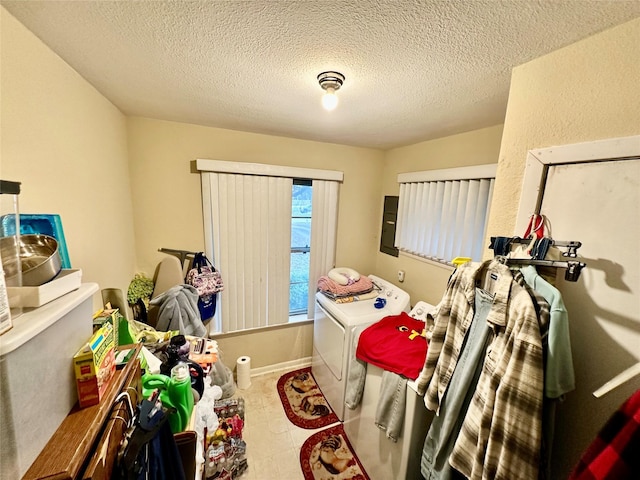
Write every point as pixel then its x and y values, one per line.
pixel 302 400
pixel 328 455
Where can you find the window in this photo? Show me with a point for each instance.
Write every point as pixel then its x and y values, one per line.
pixel 301 208
pixel 442 214
pixel 271 236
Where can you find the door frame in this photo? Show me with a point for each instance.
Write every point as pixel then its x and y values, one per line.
pixel 540 159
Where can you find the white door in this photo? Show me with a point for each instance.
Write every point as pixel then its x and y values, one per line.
pixel 596 202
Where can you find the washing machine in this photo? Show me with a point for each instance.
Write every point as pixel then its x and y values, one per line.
pixel 334 327
pixel 382 458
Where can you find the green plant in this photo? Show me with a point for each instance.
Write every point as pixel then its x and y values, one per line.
pixel 141 287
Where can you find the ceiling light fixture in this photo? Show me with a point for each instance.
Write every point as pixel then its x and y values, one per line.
pixel 330 83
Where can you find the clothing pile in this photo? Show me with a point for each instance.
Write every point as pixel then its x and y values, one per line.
pixel 158 445
pixel 359 290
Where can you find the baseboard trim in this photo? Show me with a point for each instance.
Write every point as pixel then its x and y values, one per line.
pixel 284 366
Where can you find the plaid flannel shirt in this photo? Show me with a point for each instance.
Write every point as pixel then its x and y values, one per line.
pixel 501 433
pixel 614 454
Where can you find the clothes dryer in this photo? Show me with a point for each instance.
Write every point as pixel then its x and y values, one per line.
pixel 334 328
pixel 380 456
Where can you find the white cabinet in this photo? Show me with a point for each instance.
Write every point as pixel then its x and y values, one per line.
pixel 37 384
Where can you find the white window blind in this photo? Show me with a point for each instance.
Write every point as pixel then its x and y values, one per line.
pixel 252 235
pixel 442 214
pixel 247 225
pixel 324 224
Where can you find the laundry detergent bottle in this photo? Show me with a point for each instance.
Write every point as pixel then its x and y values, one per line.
pixel 174 392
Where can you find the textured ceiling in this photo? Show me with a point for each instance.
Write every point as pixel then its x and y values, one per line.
pixel 415 70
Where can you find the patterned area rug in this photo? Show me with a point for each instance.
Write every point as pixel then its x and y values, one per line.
pixel 303 401
pixel 328 455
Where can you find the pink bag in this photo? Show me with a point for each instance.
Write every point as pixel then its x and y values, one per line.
pixel 204 277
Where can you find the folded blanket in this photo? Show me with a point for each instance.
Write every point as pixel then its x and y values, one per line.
pixel 356 298
pixel 325 284
pixel 350 298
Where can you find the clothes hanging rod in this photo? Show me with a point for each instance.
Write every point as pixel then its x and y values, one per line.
pixel 181 254
pixel 572 244
pixel 506 242
pixel 573 268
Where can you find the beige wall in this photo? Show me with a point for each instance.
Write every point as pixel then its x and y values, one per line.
pixel 282 347
pixel 427 280
pixel 168 204
pixel 586 91
pixel 68 146
pixel 167 195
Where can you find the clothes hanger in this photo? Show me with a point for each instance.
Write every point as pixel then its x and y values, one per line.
pixel 132 415
pixel 618 380
pixel 571 246
pixel 502 247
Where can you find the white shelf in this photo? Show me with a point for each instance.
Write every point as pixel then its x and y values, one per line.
pixel 34 321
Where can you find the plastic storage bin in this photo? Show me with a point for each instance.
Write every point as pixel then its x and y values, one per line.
pixel 37 384
pixel 45 224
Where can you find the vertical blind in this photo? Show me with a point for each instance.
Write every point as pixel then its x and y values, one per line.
pixel 252 231
pixel 247 226
pixel 324 223
pixel 441 219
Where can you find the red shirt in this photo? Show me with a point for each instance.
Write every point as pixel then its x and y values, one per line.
pixel 396 343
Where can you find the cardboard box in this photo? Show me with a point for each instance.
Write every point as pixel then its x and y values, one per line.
pixel 94 365
pixel 111 315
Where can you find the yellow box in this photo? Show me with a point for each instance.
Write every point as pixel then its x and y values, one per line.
pixel 111 315
pixel 94 365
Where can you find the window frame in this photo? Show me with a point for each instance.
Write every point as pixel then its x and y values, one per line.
pixel 304 250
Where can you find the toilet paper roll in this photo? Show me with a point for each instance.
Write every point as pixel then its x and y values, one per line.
pixel 243 372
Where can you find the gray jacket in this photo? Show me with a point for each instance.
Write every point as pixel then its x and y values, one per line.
pixel 178 310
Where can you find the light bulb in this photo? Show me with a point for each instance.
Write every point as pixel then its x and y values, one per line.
pixel 330 99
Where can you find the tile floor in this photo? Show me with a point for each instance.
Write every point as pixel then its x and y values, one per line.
pixel 273 442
